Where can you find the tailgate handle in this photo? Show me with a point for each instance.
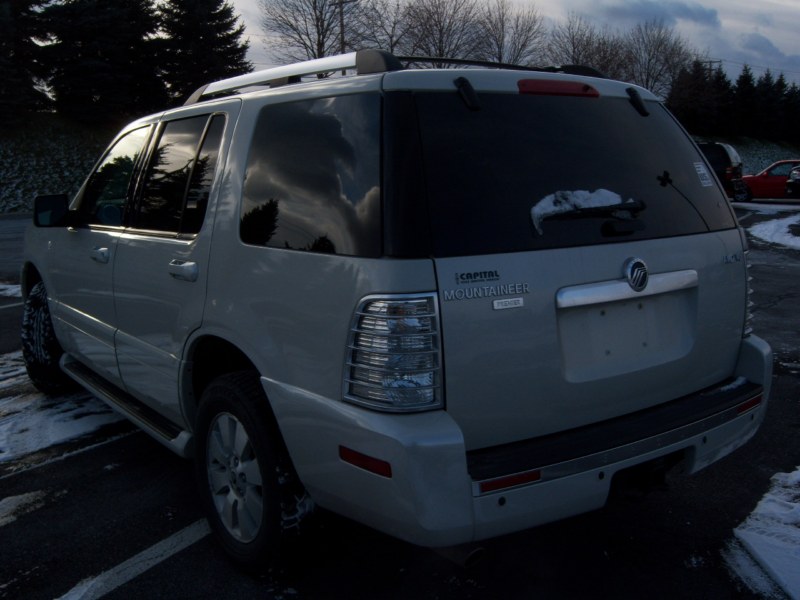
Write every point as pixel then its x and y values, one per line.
pixel 614 291
pixel 183 270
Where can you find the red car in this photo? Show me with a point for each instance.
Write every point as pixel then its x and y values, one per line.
pixel 771 182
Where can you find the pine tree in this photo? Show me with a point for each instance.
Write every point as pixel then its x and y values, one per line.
pixel 780 117
pixel 791 126
pixel 767 106
pixel 203 44
pixel 722 92
pixel 103 59
pixel 20 58
pixel 746 105
pixel 692 101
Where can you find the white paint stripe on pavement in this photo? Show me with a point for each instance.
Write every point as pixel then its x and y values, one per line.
pixel 12 305
pixel 108 581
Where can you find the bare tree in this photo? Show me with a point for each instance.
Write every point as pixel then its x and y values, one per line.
pixel 444 28
pixel 510 34
pixel 656 56
pixel 579 42
pixel 385 24
pixel 572 42
pixel 304 29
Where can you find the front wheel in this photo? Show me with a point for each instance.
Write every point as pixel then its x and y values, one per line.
pixel 40 348
pixel 243 471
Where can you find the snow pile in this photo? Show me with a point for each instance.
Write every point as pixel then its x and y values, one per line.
pixel 8 290
pixel 570 201
pixel 16 506
pixel 778 231
pixel 29 421
pixel 771 534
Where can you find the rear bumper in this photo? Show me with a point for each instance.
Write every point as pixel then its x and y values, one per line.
pixel 439 495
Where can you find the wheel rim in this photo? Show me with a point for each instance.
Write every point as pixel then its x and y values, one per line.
pixel 234 477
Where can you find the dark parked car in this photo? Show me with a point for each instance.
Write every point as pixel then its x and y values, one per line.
pixel 727 165
pixel 771 182
pixel 793 183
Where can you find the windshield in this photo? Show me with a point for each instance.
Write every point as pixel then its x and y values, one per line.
pixel 533 172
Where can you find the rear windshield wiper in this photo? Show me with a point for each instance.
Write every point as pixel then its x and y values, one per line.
pixel 582 204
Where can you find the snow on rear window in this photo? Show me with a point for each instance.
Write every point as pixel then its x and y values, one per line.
pixel 570 201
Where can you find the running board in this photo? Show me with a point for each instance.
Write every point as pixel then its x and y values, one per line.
pixel 162 430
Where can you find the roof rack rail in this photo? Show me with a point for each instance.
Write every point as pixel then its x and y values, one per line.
pixel 568 69
pixel 468 62
pixel 363 61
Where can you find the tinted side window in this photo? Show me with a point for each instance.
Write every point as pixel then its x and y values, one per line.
pixel 202 177
pixel 168 175
pixel 106 192
pixel 313 177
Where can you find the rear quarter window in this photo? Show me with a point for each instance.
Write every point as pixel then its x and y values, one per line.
pixel 312 181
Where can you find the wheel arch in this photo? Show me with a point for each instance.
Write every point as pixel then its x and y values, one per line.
pixel 29 276
pixel 209 357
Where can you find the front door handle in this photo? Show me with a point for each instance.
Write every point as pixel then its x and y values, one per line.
pixel 183 270
pixel 100 255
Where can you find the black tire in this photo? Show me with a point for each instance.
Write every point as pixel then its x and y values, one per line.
pixel 40 348
pixel 247 488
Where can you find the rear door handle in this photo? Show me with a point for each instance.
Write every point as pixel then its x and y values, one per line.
pixel 100 255
pixel 183 270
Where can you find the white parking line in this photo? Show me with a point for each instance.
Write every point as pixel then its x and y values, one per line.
pixel 108 581
pixel 12 305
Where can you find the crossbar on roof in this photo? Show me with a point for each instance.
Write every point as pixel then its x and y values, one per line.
pixel 364 61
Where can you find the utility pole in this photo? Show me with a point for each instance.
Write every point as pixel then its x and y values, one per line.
pixel 340 4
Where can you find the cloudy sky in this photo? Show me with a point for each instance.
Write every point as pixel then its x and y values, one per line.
pixel 761 33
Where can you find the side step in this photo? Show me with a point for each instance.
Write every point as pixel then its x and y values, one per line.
pixel 162 430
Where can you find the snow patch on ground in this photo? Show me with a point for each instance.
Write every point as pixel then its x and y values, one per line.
pixel 29 421
pixel 777 231
pixel 749 572
pixel 771 534
pixel 8 290
pixel 16 506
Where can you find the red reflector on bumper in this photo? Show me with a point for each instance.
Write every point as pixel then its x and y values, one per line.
pixel 368 463
pixel 749 404
pixel 549 87
pixel 501 483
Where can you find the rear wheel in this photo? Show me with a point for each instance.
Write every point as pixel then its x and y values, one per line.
pixel 40 348
pixel 243 471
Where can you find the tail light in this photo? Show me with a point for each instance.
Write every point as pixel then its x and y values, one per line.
pixel 394 354
pixel 748 314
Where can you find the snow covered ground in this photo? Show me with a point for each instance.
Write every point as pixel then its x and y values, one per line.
pixel 30 421
pixel 764 551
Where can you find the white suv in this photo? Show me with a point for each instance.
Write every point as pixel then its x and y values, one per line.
pixel 449 304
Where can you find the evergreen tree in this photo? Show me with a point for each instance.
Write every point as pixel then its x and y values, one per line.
pixel 766 107
pixel 20 58
pixel 791 125
pixel 102 57
pixel 745 97
pixel 203 44
pixel 722 91
pixel 692 101
pixel 780 116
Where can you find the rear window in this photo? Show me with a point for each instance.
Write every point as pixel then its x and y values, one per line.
pixel 716 155
pixel 528 172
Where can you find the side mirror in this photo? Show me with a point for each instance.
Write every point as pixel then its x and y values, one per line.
pixel 51 211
